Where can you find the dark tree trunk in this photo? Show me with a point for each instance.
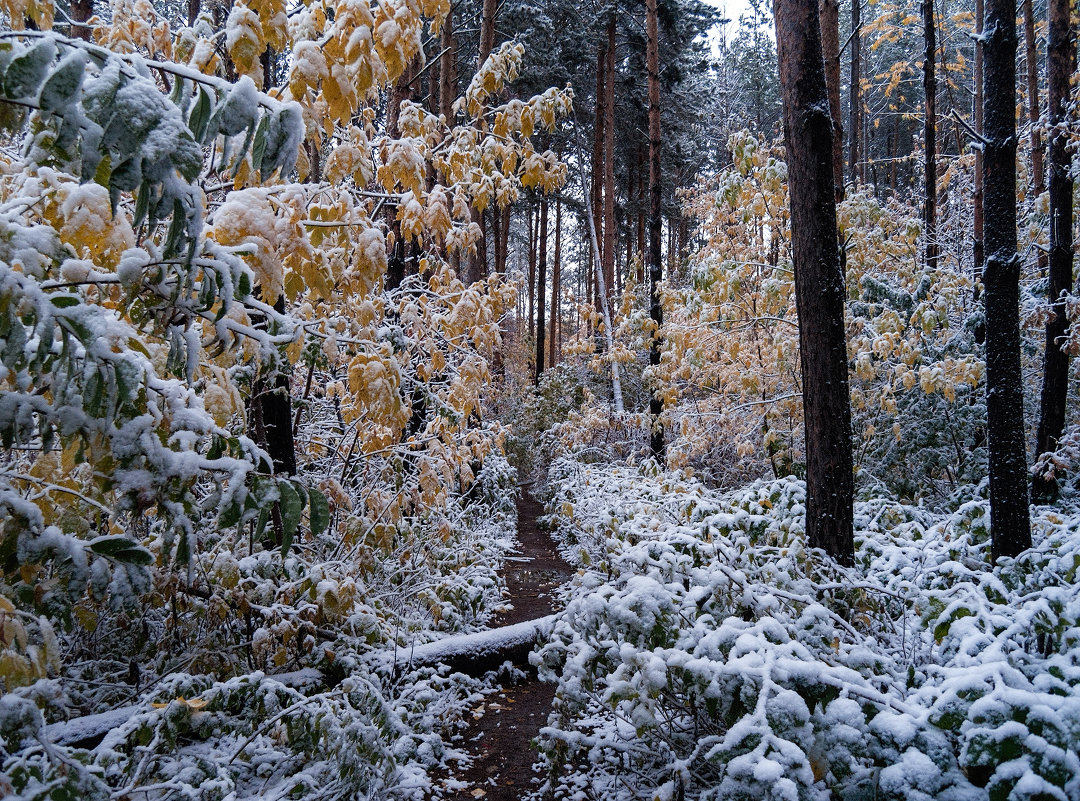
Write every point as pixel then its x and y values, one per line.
pixel 978 249
pixel 532 273
pixel 554 334
pixel 271 412
pixel 597 186
pixel 829 16
pixel 487 31
pixel 930 137
pixel 855 167
pixel 819 280
pixel 609 162
pixel 81 11
pixel 448 68
pixel 656 313
pixel 1031 59
pixel 1061 63
pixel 541 287
pixel 1010 523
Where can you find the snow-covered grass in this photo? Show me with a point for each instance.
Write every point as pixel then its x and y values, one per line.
pixel 706 653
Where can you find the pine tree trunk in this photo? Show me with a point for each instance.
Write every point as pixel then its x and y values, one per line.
pixel 1009 516
pixel 448 68
pixel 1031 59
pixel 642 205
pixel 81 11
pixel 532 273
pixel 819 280
pixel 652 62
pixel 609 161
pixel 829 16
pixel 855 167
pixel 978 250
pixel 487 31
pixel 598 167
pixel 541 288
pixel 930 137
pixel 1060 65
pixel 555 328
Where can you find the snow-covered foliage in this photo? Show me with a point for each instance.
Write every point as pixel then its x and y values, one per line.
pixel 196 227
pixel 705 653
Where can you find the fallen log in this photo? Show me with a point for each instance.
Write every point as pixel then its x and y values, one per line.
pixel 476 653
pixel 87 731
pixel 473 654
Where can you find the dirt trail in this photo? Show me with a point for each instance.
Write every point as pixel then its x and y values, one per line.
pixel 505 724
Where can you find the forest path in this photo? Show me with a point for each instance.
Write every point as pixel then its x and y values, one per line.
pixel 500 736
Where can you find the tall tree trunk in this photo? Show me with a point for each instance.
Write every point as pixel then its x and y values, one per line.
pixel 598 166
pixel 978 250
pixel 1009 517
pixel 478 263
pixel 829 15
pixel 1031 59
pixel 1060 65
pixel 642 204
pixel 532 271
pixel 819 280
pixel 541 288
pixel 855 167
pixel 487 30
pixel 656 267
pixel 556 290
pixel 930 137
pixel 448 68
pixel 194 8
pixel 609 161
pixel 81 11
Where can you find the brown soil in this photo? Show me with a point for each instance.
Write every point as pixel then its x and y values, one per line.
pixel 500 737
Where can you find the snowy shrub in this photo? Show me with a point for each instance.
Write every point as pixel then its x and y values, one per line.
pixel 706 653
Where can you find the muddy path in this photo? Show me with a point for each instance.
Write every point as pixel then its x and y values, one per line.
pixel 500 736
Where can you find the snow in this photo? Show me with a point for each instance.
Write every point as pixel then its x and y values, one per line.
pixel 475 645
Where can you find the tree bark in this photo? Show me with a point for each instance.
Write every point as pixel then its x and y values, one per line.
pixel 598 167
pixel 829 16
pixel 1009 515
pixel 1031 59
pixel 978 250
pixel 541 287
pixel 855 167
pixel 81 11
pixel 609 161
pixel 532 272
pixel 656 313
pixel 819 280
pixel 930 137
pixel 556 290
pixel 1060 65
pixel 448 68
pixel 487 30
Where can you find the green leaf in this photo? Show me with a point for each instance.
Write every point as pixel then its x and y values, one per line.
pixel 291 509
pixel 230 515
pixel 64 301
pixel 63 84
pixel 142 204
pixel 134 556
pixel 28 70
pixel 258 147
pixel 110 546
pixel 320 512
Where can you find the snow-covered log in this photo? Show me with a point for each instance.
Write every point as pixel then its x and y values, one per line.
pixel 87 731
pixel 479 652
